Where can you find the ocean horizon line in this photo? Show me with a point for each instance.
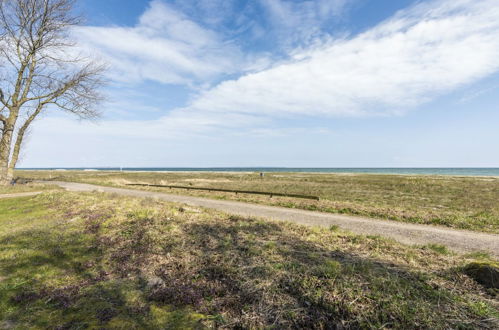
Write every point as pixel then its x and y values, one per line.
pixel 464 171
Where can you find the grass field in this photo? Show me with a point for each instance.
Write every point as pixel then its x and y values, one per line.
pixel 21 188
pixel 78 260
pixel 458 202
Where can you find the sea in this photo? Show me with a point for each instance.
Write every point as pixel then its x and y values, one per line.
pixel 458 171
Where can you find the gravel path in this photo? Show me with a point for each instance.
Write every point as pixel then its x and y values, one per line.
pixel 457 240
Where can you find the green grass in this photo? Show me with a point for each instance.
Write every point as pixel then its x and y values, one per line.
pixel 442 249
pixel 21 188
pixel 93 260
pixel 456 202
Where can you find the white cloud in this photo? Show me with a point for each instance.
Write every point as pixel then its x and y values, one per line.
pixel 420 53
pixel 199 41
pixel 211 12
pixel 301 22
pixel 473 94
pixel 409 59
pixel 177 124
pixel 165 46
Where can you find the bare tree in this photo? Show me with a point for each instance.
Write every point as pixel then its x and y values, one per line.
pixel 40 69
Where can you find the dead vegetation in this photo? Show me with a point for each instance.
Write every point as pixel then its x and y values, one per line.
pixel 456 202
pixel 107 261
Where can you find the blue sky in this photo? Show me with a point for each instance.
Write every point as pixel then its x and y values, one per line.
pixel 313 83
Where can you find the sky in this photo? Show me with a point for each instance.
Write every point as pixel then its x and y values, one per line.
pixel 284 83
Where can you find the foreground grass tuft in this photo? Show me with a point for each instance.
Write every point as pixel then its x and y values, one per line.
pixel 439 248
pixel 74 261
pixel 30 187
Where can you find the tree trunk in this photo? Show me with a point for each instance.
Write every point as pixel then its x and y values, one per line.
pixel 4 155
pixel 4 176
pixel 10 174
pixel 5 146
pixel 17 148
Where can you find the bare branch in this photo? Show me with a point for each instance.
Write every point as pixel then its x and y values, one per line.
pixel 40 68
pixel 2 98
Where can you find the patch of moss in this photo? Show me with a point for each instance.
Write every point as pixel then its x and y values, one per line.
pixel 485 273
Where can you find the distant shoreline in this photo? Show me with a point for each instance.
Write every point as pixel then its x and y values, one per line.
pixel 461 171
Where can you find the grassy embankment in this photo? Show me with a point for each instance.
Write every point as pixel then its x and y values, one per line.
pixel 458 202
pixel 72 261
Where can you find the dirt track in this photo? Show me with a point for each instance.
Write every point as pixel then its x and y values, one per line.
pixel 457 240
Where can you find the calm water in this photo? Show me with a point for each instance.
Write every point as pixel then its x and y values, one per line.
pixel 426 171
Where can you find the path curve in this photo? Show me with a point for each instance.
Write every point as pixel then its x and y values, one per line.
pixel 458 240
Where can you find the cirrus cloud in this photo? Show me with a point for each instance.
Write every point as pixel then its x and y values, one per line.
pixel 165 46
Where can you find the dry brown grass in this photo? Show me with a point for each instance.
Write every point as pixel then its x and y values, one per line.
pixel 96 260
pixel 21 188
pixel 457 202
